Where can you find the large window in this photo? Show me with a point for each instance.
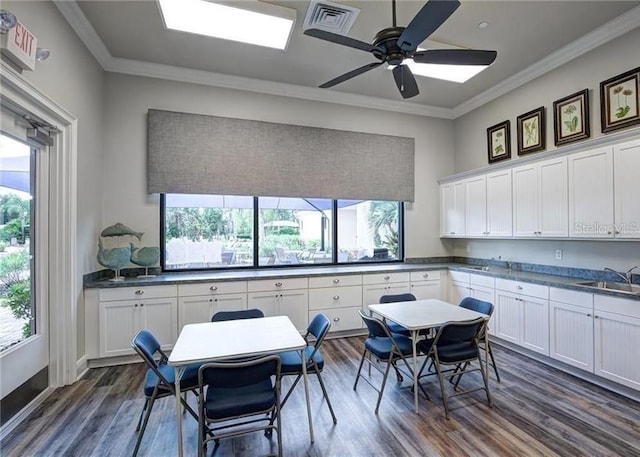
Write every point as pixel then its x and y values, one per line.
pixel 221 231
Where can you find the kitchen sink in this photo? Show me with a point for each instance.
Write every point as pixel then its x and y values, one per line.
pixel 616 286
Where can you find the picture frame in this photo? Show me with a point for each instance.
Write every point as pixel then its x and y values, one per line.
pixel 499 141
pixel 620 101
pixel 571 118
pixel 531 129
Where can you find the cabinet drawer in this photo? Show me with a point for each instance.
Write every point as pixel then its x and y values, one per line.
pixel 212 288
pixel 137 293
pixel 268 285
pixel 337 297
pixel 624 306
pixel 341 318
pixel 385 278
pixel 571 297
pixel 482 281
pixel 524 288
pixel 425 275
pixel 459 276
pixel 335 281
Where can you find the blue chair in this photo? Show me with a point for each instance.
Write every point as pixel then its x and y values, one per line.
pixel 483 307
pixel 159 380
pixel 393 327
pixel 233 315
pixel 455 344
pixel 237 395
pixel 387 348
pixel 292 364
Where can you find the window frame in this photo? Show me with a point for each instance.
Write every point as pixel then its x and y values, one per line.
pixel 256 245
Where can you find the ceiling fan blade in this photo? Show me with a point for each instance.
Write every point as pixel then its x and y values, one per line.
pixel 455 57
pixel 428 19
pixel 340 39
pixel 351 74
pixel 405 81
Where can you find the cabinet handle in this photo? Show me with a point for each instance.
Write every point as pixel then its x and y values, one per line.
pixel 596 317
pixel 386 278
pixel 210 300
pixel 519 287
pixel 141 305
pixel 139 292
pixel 336 297
pixel 609 232
pixel 278 284
pixel 213 288
pixel 336 319
pixel 617 232
pixel 135 306
pixel 588 314
pixel 452 233
pixel 426 275
pixel 336 281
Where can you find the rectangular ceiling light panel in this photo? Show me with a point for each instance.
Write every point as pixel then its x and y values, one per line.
pixel 246 21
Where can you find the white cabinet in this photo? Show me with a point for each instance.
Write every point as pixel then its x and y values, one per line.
pixel 426 284
pixel 523 314
pixel 483 288
pixel 124 311
pixel 617 339
pixel 199 302
pixel 591 194
pixel 339 298
pixel 452 212
pixel 278 297
pixel 571 327
pixel 626 171
pixel 488 205
pixel 458 286
pixel 476 206
pixel 540 199
pixel 375 286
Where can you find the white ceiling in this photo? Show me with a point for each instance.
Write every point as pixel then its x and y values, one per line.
pixel 524 33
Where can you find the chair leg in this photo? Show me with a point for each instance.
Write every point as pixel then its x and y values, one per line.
pixel 364 354
pixel 398 374
pixel 384 382
pixel 144 408
pixel 458 377
pixel 326 396
pixel 436 363
pixel 485 378
pixel 493 361
pixel 279 431
pixel 146 419
pixel 286 397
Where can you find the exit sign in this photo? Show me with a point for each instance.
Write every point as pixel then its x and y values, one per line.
pixel 20 45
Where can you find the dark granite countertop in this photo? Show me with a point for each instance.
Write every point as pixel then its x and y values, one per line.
pixel 536 277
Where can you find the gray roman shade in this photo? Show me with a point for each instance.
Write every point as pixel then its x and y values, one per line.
pixel 196 154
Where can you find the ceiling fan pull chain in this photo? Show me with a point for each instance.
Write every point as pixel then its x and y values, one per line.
pixel 393 11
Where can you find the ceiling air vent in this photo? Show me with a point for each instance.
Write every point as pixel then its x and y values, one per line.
pixel 330 16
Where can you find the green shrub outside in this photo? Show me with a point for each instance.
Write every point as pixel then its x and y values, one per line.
pixel 19 302
pixel 13 266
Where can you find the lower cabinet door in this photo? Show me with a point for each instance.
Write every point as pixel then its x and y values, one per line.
pixel 118 325
pixel 488 295
pixel 160 317
pixel 509 320
pixel 198 309
pixel 424 290
pixel 535 329
pixel 571 335
pixel 295 304
pixel 617 338
pixel 267 302
pixel 341 318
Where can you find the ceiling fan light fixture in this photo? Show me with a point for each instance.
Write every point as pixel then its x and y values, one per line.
pixel 453 73
pixel 251 22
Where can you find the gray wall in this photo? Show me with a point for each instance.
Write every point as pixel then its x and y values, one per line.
pixel 586 71
pixel 73 79
pixel 129 97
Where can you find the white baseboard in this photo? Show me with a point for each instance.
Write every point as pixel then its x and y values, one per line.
pixel 82 367
pixel 24 413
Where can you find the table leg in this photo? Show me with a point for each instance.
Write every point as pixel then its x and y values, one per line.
pixel 414 338
pixel 179 372
pixel 306 392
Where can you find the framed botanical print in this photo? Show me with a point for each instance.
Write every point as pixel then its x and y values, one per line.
pixel 531 131
pixel 571 118
pixel 499 141
pixel 620 101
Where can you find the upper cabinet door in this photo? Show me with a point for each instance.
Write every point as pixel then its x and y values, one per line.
pixel 525 201
pixel 452 209
pixel 626 160
pixel 553 212
pixel 591 194
pixel 499 209
pixel 476 206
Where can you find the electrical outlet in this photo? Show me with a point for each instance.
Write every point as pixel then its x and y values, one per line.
pixel 558 254
pixel 468 249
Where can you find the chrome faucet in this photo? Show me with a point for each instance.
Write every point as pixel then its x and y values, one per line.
pixel 625 276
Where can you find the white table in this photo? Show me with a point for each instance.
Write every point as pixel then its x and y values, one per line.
pixel 420 315
pixel 213 341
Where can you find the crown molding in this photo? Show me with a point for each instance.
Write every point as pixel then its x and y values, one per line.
pixel 603 34
pixel 79 23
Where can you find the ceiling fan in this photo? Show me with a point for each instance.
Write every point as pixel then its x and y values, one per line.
pixel 394 44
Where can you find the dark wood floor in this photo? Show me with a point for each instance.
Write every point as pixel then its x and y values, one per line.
pixel 538 411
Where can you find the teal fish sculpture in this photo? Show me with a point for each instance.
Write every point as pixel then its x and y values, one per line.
pixel 119 229
pixel 113 259
pixel 145 257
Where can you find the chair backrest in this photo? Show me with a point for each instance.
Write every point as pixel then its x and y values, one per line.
pixel 397 297
pixel 146 345
pixel 319 327
pixel 375 326
pixel 459 331
pixel 280 254
pixel 480 306
pixel 239 374
pixel 233 315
